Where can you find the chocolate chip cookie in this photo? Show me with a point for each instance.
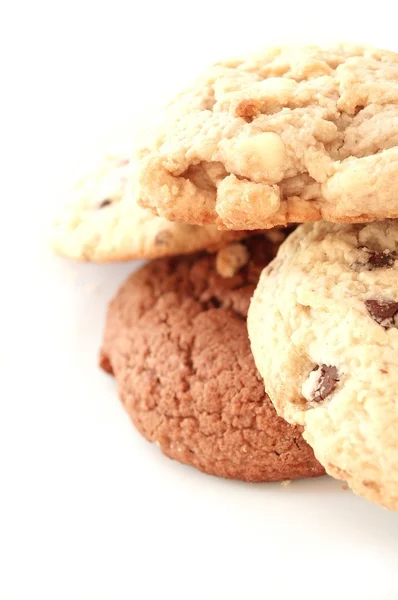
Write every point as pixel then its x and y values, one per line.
pixel 176 342
pixel 101 220
pixel 327 306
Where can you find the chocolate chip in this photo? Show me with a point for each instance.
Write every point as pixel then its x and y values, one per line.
pixel 375 260
pixel 384 312
pixel 105 202
pixel 213 302
pixel 327 380
pixel 378 260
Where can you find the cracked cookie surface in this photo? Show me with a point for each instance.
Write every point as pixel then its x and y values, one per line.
pixel 176 342
pixel 102 221
pixel 327 306
pixel 292 135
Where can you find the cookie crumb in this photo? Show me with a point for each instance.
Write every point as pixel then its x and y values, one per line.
pixel 286 482
pixel 231 259
pixel 344 487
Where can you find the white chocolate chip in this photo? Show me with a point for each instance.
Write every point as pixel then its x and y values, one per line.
pixel 260 157
pixel 246 201
pixel 231 259
pixel 309 385
pixel 276 87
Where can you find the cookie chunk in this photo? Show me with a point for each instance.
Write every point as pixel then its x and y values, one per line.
pixel 102 221
pixel 176 342
pixel 294 134
pixel 324 317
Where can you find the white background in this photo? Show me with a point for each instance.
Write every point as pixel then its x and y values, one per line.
pixel 88 509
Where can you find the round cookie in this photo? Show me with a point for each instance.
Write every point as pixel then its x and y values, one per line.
pixel 294 134
pixel 324 316
pixel 176 341
pixel 102 221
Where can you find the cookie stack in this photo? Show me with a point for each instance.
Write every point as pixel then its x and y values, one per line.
pixel 214 193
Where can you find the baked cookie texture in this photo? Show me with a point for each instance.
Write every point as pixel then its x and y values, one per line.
pixel 324 317
pixel 176 342
pixel 102 221
pixel 295 134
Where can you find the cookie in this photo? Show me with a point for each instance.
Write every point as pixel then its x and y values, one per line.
pixel 176 341
pixel 102 221
pixel 324 317
pixel 295 134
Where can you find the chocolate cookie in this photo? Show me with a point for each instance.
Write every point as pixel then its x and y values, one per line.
pixel 176 342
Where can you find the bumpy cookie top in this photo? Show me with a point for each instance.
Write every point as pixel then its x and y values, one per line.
pixel 102 221
pixel 177 343
pixel 328 308
pixel 295 134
